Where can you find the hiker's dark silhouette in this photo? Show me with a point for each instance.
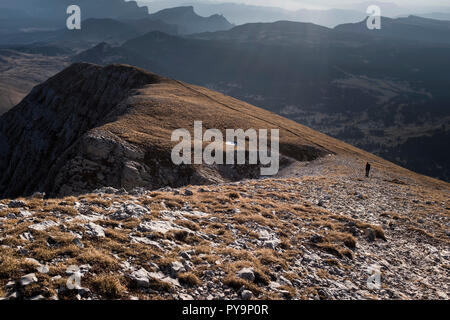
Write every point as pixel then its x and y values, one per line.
pixel 367 169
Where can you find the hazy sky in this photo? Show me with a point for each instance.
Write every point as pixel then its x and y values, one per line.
pixel 337 3
pixel 296 4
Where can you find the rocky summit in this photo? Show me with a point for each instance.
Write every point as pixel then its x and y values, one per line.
pixel 93 207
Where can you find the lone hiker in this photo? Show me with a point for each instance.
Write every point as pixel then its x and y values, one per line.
pixel 367 169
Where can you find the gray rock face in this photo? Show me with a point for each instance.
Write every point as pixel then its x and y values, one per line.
pixel 43 225
pixel 272 244
pixel 129 211
pixel 247 274
pixel 176 267
pixel 106 190
pixel 142 278
pixel 156 226
pixel 53 125
pixel 95 230
pixel 246 294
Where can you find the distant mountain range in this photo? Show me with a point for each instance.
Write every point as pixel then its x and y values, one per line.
pixel 239 13
pixel 410 28
pixel 108 27
pixel 189 22
pixel 242 13
pixel 437 15
pixel 284 33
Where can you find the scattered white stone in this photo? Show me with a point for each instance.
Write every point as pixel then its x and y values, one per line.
pixel 246 274
pixel 43 269
pixel 177 267
pixel 284 281
pixel 27 236
pixel 146 241
pixel 42 226
pixel 24 214
pixel 350 285
pixel 94 230
pixel 442 295
pixel 11 216
pixel 78 243
pixel 141 278
pixel 246 294
pixel 128 211
pixel 185 296
pixel 28 279
pixel 274 285
pixel 32 260
pixel 272 244
pixel 157 226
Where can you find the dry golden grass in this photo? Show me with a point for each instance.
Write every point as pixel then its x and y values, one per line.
pixel 347 239
pixel 119 235
pixel 262 273
pixel 237 283
pixel 11 267
pixel 335 250
pixel 42 287
pixel 291 292
pixel 56 208
pixel 98 258
pixel 109 286
pixel 188 224
pixel 189 279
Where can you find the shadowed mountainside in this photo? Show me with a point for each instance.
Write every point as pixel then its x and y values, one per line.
pixel 22 68
pixel 112 127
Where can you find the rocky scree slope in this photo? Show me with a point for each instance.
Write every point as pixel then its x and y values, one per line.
pixel 314 234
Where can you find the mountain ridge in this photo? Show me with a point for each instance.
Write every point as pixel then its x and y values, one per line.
pixel 190 22
pixel 413 28
pixel 117 137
